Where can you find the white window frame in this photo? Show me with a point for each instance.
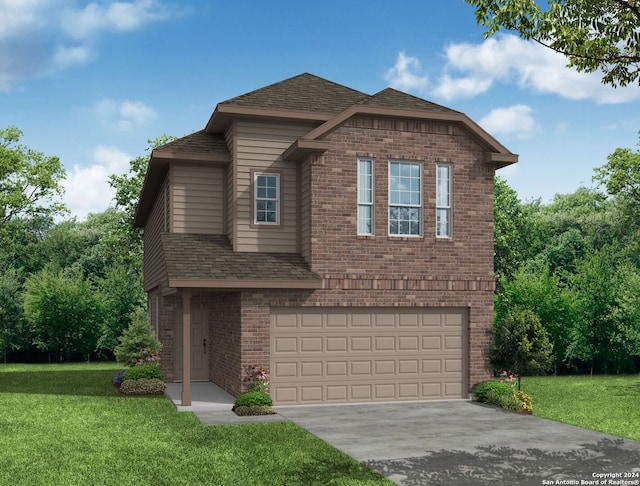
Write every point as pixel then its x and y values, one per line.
pixel 444 201
pixel 410 206
pixel 266 198
pixel 365 205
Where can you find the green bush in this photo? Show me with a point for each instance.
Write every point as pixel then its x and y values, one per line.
pixel 252 399
pixel 255 410
pixel 482 389
pixel 144 386
pixel 143 372
pixel 499 399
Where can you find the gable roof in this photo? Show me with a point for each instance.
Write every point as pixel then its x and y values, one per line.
pixel 304 92
pixel 392 98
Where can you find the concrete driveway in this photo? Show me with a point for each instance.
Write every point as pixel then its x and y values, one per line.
pixel 466 443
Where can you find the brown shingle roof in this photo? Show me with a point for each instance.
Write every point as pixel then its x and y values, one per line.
pixel 391 98
pixel 210 257
pixel 303 93
pixel 198 142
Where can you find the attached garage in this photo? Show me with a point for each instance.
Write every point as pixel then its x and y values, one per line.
pixel 342 354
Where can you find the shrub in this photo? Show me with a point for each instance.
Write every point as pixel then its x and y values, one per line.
pixel 251 399
pixel 144 386
pixel 254 410
pixel 482 389
pixel 499 399
pixel 117 380
pixel 138 343
pixel 143 372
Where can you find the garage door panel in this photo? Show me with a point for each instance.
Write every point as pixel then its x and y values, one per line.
pixel 367 354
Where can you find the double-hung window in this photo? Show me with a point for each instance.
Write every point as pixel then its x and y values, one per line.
pixel 267 198
pixel 405 198
pixel 365 197
pixel 443 200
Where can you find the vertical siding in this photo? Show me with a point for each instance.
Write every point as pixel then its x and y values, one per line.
pixel 197 199
pixel 154 269
pixel 260 146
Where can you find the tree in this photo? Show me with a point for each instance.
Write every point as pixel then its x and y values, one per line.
pixel 607 331
pixel 513 232
pixel 136 337
pixel 620 176
pixel 11 313
pixel 542 293
pixel 29 180
pixel 64 313
pixel 595 35
pixel 520 345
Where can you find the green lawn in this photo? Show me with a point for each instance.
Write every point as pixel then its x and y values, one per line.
pixel 66 424
pixel 606 403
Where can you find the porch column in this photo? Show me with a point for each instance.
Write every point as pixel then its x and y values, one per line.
pixel 186 348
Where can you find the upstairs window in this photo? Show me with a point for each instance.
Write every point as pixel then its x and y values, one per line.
pixel 365 197
pixel 405 198
pixel 267 198
pixel 443 200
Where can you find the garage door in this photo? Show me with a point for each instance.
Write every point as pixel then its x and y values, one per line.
pixel 334 355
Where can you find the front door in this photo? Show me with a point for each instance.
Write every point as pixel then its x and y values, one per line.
pixel 199 344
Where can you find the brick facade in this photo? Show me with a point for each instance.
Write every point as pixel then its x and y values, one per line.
pixel 364 271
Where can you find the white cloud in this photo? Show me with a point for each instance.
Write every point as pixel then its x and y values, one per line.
pixel 406 74
pixel 41 37
pixel 116 17
pixel 86 188
pixel 513 120
pixel 472 69
pixel 124 114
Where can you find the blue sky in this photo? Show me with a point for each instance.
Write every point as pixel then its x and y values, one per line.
pixel 91 82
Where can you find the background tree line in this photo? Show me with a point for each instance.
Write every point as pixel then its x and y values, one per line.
pixel 575 263
pixel 68 289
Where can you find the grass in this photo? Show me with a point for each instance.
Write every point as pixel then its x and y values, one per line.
pixel 606 403
pixel 66 424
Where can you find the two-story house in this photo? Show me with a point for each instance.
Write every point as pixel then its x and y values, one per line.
pixel 342 240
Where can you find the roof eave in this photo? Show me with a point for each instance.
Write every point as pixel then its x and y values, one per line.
pixel 301 149
pixel 500 160
pixel 224 114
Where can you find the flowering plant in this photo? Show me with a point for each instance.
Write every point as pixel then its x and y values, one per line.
pixel 257 379
pixel 508 378
pixel 117 380
pixel 148 357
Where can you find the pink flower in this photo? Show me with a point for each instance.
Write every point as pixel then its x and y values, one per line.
pixel 504 373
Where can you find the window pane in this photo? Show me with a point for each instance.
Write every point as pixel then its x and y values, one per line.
pixel 272 193
pixel 394 169
pixel 393 227
pixel 404 227
pixel 261 192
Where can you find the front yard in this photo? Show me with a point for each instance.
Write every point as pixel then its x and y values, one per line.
pixel 606 403
pixel 66 424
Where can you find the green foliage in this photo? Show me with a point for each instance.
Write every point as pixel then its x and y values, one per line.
pixel 506 401
pixel 593 35
pixel 520 344
pixel 137 337
pixel 483 389
pixel 548 298
pixel 607 332
pixel 11 310
pixel 254 410
pixel 513 235
pixel 254 398
pixel 143 386
pixel 29 180
pixel 64 312
pixel 143 372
